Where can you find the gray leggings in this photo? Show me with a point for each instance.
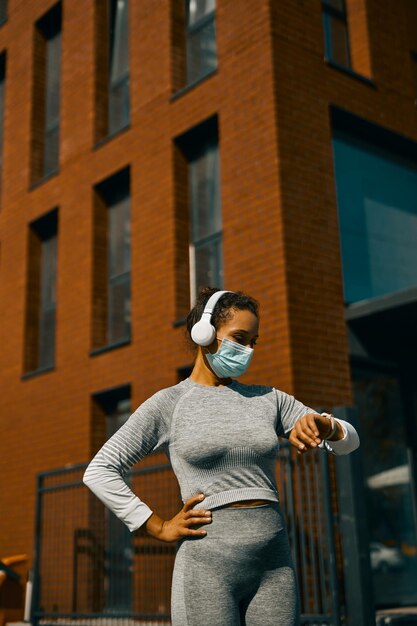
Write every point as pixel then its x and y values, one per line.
pixel 240 574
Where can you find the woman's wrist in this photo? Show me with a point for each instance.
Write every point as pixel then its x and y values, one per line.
pixel 154 525
pixel 333 426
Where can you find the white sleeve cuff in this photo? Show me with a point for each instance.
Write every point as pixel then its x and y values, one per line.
pixel 108 485
pixel 138 516
pixel 347 444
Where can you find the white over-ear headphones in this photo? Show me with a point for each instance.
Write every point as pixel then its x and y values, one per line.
pixel 203 331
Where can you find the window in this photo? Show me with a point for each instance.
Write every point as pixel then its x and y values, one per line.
pixel 119 66
pixel 112 67
pixel 111 272
pixel 376 184
pixel 111 408
pixel 46 95
pixel 2 98
pixel 3 11
pixel 41 293
pixel 206 236
pixel 198 187
pixel 200 38
pixel 336 32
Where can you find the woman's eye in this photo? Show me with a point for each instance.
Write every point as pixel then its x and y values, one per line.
pixel 242 341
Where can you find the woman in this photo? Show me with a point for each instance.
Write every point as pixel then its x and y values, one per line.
pixel 221 437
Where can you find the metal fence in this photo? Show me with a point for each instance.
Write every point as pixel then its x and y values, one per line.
pixel 90 569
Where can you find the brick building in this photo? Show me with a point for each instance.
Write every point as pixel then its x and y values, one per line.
pixel 149 148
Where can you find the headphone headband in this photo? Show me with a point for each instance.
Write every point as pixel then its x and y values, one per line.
pixel 203 331
pixel 212 301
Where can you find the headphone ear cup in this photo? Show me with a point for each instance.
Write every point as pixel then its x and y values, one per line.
pixel 203 333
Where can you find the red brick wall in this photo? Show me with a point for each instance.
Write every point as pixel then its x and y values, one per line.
pixel 272 93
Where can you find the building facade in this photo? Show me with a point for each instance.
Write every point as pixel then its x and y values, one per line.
pixel 150 148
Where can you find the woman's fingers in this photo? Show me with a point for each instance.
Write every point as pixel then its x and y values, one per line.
pixel 190 531
pixel 296 441
pixel 313 427
pixel 302 439
pixel 192 501
pixel 194 516
pixel 305 430
pixel 204 514
pixel 204 519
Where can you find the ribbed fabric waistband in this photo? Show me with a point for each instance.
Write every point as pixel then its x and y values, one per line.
pixel 235 495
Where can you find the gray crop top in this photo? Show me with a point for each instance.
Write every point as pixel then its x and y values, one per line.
pixel 221 441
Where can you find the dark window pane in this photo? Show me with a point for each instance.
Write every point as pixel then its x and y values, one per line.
pixel 52 104
pixel 119 41
pixel 376 194
pixel 119 115
pixel 339 41
pixel 198 9
pixel 119 237
pixel 208 264
pixel 205 193
pixel 119 270
pixel 47 338
pixel 339 5
pixel 47 301
pixel 119 66
pixel 119 308
pixel 118 416
pixel 53 71
pixel 206 261
pixel 48 271
pixel 3 10
pixel 201 51
pixel 51 150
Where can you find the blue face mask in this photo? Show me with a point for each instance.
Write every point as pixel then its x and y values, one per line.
pixel 231 359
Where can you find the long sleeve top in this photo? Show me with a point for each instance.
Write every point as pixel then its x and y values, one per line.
pixel 221 441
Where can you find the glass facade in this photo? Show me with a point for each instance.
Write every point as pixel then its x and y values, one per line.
pixel 376 190
pixel 376 194
pixel 387 478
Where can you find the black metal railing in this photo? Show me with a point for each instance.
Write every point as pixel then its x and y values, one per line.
pixel 90 568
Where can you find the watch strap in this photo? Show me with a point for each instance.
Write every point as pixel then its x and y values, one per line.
pixel 333 424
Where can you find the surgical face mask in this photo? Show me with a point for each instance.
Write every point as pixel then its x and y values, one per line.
pixel 231 359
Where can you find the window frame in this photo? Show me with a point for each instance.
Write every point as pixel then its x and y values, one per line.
pixel 330 12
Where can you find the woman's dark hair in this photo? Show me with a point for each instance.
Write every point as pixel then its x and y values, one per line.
pixel 222 309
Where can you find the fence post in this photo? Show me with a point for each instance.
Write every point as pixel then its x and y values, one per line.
pixel 34 605
pixel 354 528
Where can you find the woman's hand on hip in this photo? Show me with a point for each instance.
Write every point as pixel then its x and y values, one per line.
pixel 309 431
pixel 181 524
